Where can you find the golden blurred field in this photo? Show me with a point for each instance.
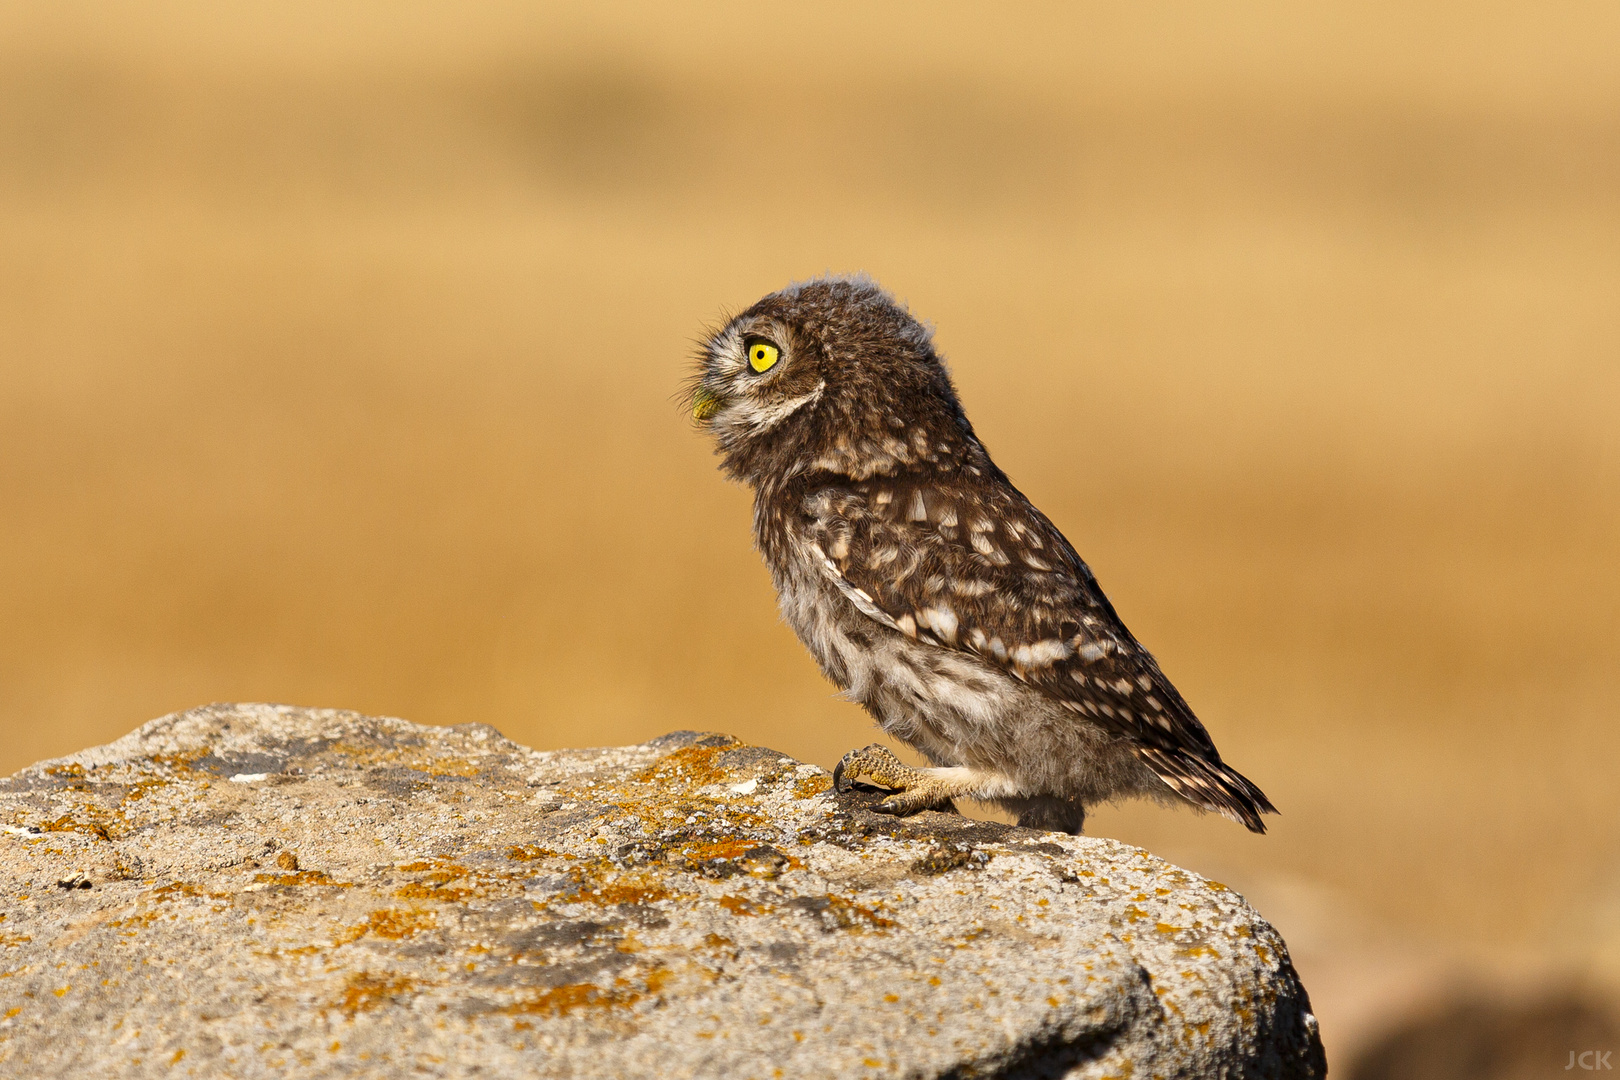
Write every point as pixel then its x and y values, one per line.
pixel 339 349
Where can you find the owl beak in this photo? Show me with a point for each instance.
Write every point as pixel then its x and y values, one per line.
pixel 706 403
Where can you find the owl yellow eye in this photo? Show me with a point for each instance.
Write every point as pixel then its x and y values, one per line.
pixel 762 356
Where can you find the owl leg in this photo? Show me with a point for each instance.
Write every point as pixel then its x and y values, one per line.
pixel 1046 813
pixel 917 789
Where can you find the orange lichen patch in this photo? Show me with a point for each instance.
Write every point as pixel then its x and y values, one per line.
pixel 365 991
pixel 447 766
pixel 529 852
pixel 692 767
pixel 1263 953
pixel 13 1011
pixel 444 875
pixel 716 941
pixel 423 864
pixel 565 999
pixel 12 941
pixel 397 924
pixel 302 877
pixel 703 851
pixel 757 858
pixel 1166 928
pixel 69 823
pixel 135 921
pixel 1134 913
pixel 1196 951
pixel 433 892
pixel 184 888
pixel 182 762
pixel 741 905
pixel 811 786
pixel 849 915
pixel 437 876
pixel 446 881
pixel 72 768
pixel 140 789
pixel 622 890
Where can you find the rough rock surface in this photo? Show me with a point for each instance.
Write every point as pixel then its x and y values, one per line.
pixel 256 890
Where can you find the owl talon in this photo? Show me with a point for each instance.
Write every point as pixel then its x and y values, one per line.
pixel 915 789
pixel 875 762
pixel 915 800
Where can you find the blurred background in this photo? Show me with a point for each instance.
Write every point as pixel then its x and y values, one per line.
pixel 340 347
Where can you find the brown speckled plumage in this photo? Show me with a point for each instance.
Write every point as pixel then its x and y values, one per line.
pixel 927 587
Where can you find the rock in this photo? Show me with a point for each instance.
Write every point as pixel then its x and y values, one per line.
pixel 255 890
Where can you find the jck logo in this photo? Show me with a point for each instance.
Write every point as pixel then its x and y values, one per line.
pixel 1591 1060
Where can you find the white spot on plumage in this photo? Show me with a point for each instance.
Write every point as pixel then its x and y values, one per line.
pixel 947 515
pixel 882 557
pixel 1154 703
pixel 917 511
pixel 1144 682
pixel 1041 653
pixel 942 620
pixel 906 625
pixel 970 587
pixel 1124 687
pixel 1036 563
pixel 1092 651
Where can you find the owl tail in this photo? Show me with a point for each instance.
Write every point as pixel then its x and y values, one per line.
pixel 1210 784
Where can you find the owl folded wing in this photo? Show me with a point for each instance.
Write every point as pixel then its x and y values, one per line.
pixel 999 582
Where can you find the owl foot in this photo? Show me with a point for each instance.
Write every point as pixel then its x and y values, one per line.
pixel 917 788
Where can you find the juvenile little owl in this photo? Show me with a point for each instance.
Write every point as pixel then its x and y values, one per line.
pixel 927 587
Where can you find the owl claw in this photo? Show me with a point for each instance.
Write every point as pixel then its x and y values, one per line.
pixel 876 762
pixel 915 789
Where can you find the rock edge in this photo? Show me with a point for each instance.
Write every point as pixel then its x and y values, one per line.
pixel 262 890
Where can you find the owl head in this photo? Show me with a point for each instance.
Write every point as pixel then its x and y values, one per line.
pixel 827 374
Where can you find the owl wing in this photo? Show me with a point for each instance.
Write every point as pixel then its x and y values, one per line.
pixel 974 566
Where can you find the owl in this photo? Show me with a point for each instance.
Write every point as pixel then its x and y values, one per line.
pixel 926 586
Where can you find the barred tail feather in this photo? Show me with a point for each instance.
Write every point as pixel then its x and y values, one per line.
pixel 1210 784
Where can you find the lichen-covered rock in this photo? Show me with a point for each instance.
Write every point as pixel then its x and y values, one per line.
pixel 257 890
